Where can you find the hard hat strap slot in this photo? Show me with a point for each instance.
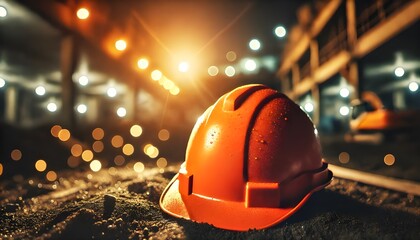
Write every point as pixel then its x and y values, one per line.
pixel 185 184
pixel 286 193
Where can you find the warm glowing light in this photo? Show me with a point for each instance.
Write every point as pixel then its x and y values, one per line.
pixel 389 159
pixel 121 45
pixel 413 86
pixel 55 130
pixel 161 162
pixel 76 150
pixel 2 82
pixel 174 91
pixel 255 44
pixel 64 135
pixel 309 107
pixel 52 107
pixel 136 130
pixel 138 167
pixel 51 176
pixel 344 110
pixel 121 112
pixel 344 157
pixel 156 75
pixel 98 133
pixel 164 135
pixel 40 90
pixel 231 56
pixel 280 31
pixel 230 71
pixel 168 84
pixel 112 170
pixel 95 165
pixel 82 13
pixel 3 13
pixel 151 151
pixel 1 169
pixel 83 80
pixel 111 92
pixel 128 149
pixel 183 66
pixel 98 146
pixel 250 65
pixel 119 160
pixel 16 154
pixel 117 141
pixel 40 165
pixel 87 155
pixel 213 71
pixel 143 63
pixel 344 92
pixel 399 71
pixel 81 108
pixel 73 161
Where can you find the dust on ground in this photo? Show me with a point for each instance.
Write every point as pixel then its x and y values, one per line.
pixel 122 204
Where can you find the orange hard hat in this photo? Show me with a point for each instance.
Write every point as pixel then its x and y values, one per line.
pixel 252 160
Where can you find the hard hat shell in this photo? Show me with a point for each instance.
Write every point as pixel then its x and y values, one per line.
pixel 252 160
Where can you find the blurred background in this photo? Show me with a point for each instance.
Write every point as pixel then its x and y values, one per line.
pixel 91 85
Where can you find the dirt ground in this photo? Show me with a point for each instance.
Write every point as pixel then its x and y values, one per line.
pixel 121 204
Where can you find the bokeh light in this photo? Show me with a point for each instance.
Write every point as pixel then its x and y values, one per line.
pixel 213 71
pixel 121 112
pixel 98 133
pixel 117 141
pixel 1 169
pixel 82 13
pixel 156 75
pixel 16 154
pixel 309 107
pixel 231 56
pixel 111 92
pixel 143 63
pixel 40 165
pixel 174 91
pixel 138 167
pixel 64 135
pixel 76 150
pixel 3 13
pixel 250 65
pixel 95 165
pixel 98 146
pixel 2 82
pixel 40 90
pixel 151 150
pixel 280 31
pixel 52 107
pixel 389 159
pixel 164 135
pixel 161 162
pixel 55 130
pixel 51 176
pixel 87 155
pixel 344 157
pixel 255 44
pixel 399 71
pixel 83 80
pixel 128 149
pixel 136 130
pixel 413 86
pixel 230 71
pixel 81 108
pixel 73 161
pixel 344 110
pixel 119 160
pixel 344 92
pixel 120 45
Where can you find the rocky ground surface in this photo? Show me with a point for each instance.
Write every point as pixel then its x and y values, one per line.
pixel 120 204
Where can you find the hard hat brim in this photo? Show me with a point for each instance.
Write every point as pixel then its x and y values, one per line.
pixel 226 214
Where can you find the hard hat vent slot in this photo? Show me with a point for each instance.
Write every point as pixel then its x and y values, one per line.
pixel 235 99
pixel 185 184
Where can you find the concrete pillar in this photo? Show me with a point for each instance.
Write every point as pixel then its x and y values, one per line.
pixel 11 104
pixel 68 63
